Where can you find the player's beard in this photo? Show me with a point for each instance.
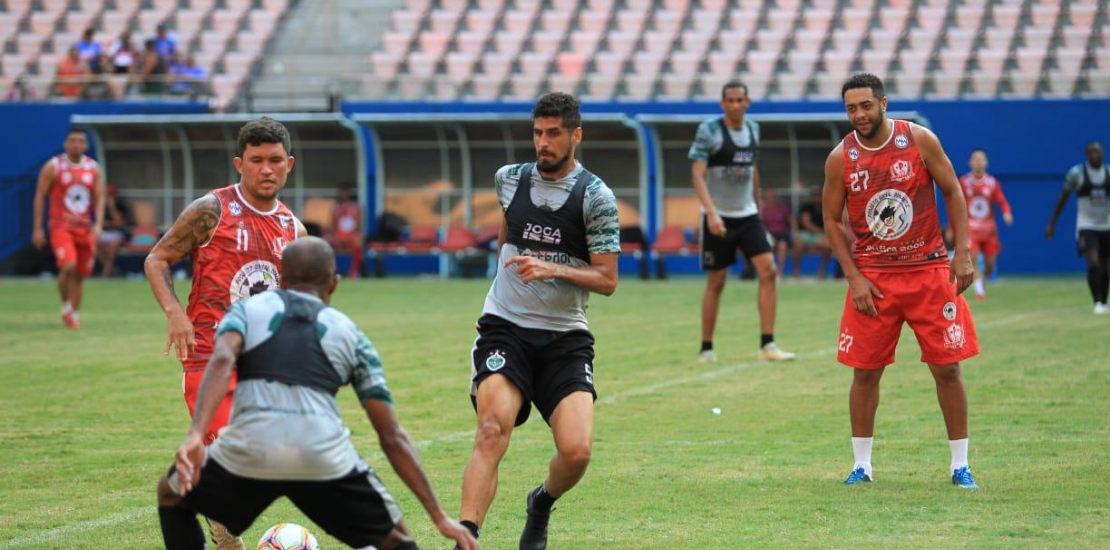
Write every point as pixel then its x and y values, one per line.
pixel 553 165
pixel 876 125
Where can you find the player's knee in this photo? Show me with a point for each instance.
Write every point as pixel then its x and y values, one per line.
pixel 947 374
pixel 768 273
pixel 492 436
pixel 577 455
pixel 866 377
pixel 68 268
pixel 715 284
pixel 397 540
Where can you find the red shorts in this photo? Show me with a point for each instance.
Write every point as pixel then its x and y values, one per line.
pixel 988 244
pixel 923 298
pixel 74 245
pixel 190 384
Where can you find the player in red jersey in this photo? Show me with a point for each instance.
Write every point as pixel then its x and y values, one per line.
pixel 72 181
pixel 235 236
pixel 982 191
pixel 899 270
pixel 345 233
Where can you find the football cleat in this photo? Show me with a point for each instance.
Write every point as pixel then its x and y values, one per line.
pixel 71 320
pixel 534 536
pixel 857 476
pixel 962 478
pixel 772 352
pixel 707 356
pixel 1102 309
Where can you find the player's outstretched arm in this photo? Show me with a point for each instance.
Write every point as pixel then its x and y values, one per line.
pixel 193 228
pixel 398 448
pixel 600 276
pixel 99 202
pixel 941 170
pixel 46 177
pixel 833 199
pixel 213 388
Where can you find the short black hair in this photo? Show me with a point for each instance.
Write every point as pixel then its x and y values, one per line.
pixel 864 80
pixel 978 150
pixel 887 212
pixel 75 131
pixel 264 130
pixel 1093 142
pixel 732 84
pixel 561 105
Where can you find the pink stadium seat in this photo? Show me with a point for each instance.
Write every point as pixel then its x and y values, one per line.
pixel 676 5
pixel 959 39
pixel 667 21
pixel 519 21
pixel 447 87
pixel 148 20
pixel 952 62
pixel 969 17
pixel 983 85
pixel 396 42
pixel 844 40
pixel 61 41
pixel 460 65
pixel 931 18
pixel 250 42
pixel 802 62
pixel 585 42
pixel 817 20
pixel 769 41
pixel 882 39
pixel 601 86
pixel 472 42
pixel 497 65
pixel 226 21
pixel 1060 84
pixel 922 40
pixel 262 21
pixel 422 64
pixel 570 64
pixel 1023 85
pixel 213 41
pixel 998 39
pixel 686 63
pixel 757 85
pixel 481 21
pixel 535 63
pixel 715 5
pixel 893 19
pixel 945 86
pixel 1076 37
pixel 913 62
pixel 14 64
pixel 525 88
pixel 1037 38
pixel 508 42
pixel 128 6
pixel 660 41
pixel 828 85
pixel 621 42
pixel 782 20
pixel 77 21
pixel 486 87
pixel 457 6
pixel 564 5
pixel 595 21
pixel 647 64
pixel 412 88
pixel 706 21
pixel 547 42
pixel 677 86
pixel 695 41
pixel 406 20
pixel 554 21
pixel 761 62
pixel 188 22
pixel 1005 16
pixel 876 61
pixel 1070 61
pixel 491 5
pixel 838 64
pixel 203 5
pixel 723 62
pixel 638 87
pixel 1082 14
pixel 432 42
pixel 385 65
pixel 610 63
pixel 791 86
pixel 601 5
pixel 991 62
pixel 1044 15
pixel 908 86
pixel 734 40
pixel 443 21
pixel 276 6
pixel 1029 60
pixel 28 44
pixel 42 23
pixel 809 41
pixel 631 21
pixel 1099 83
pixel 855 19
pixel 239 64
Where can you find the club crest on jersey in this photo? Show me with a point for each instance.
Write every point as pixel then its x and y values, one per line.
pixel 954 336
pixel 542 234
pixel 901 171
pixel 853 154
pixel 979 207
pixel 77 199
pixel 279 246
pixel 901 141
pixel 949 311
pixel 235 209
pixel 889 214
pixel 285 221
pixel 495 361
pixel 254 278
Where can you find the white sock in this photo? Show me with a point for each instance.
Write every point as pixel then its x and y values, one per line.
pixel 959 453
pixel 979 287
pixel 66 307
pixel 861 447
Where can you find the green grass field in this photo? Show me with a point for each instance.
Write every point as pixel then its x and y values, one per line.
pixel 89 419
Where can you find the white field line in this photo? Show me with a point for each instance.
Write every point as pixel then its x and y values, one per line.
pixel 84 527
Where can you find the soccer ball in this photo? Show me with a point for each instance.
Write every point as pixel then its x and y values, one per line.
pixel 287 536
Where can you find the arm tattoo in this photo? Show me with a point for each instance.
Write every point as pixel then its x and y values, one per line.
pixel 167 279
pixel 194 227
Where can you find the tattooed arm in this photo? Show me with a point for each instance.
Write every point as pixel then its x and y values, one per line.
pixel 193 228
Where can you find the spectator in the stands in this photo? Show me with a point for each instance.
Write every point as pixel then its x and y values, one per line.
pixel 811 234
pixel 164 44
pixel 123 53
pixel 90 51
pixel 152 70
pixel 71 74
pixel 780 223
pixel 345 233
pixel 117 224
pixel 188 78
pixel 20 91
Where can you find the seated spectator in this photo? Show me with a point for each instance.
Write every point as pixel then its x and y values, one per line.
pixel 780 223
pixel 811 235
pixel 20 91
pixel 123 54
pixel 89 50
pixel 164 44
pixel 117 224
pixel 345 233
pixel 72 72
pixel 152 70
pixel 189 78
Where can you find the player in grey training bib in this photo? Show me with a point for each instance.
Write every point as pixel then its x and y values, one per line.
pixel 292 353
pixel 725 176
pixel 559 242
pixel 1091 182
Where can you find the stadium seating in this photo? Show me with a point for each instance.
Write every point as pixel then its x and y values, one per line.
pixel 786 49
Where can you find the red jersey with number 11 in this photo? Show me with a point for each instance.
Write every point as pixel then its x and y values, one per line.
pixel 891 203
pixel 242 259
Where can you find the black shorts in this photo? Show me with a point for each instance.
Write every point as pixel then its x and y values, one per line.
pixel 1094 239
pixel 356 508
pixel 747 233
pixel 545 365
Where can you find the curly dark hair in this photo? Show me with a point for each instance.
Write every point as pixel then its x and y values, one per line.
pixel 731 84
pixel 264 130
pixel 559 104
pixel 864 80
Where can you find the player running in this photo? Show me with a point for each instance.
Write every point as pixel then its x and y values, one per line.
pixel 1091 183
pixel 72 181
pixel 982 191
pixel 899 270
pixel 235 236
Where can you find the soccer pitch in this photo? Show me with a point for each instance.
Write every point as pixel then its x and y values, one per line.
pixel 91 418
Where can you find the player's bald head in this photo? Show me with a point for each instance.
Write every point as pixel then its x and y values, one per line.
pixel 308 261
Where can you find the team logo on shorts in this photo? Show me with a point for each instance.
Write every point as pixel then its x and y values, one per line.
pixel 77 199
pixel 901 141
pixel 954 336
pixel 235 209
pixel 901 171
pixel 254 278
pixel 495 361
pixel 889 214
pixel 949 311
